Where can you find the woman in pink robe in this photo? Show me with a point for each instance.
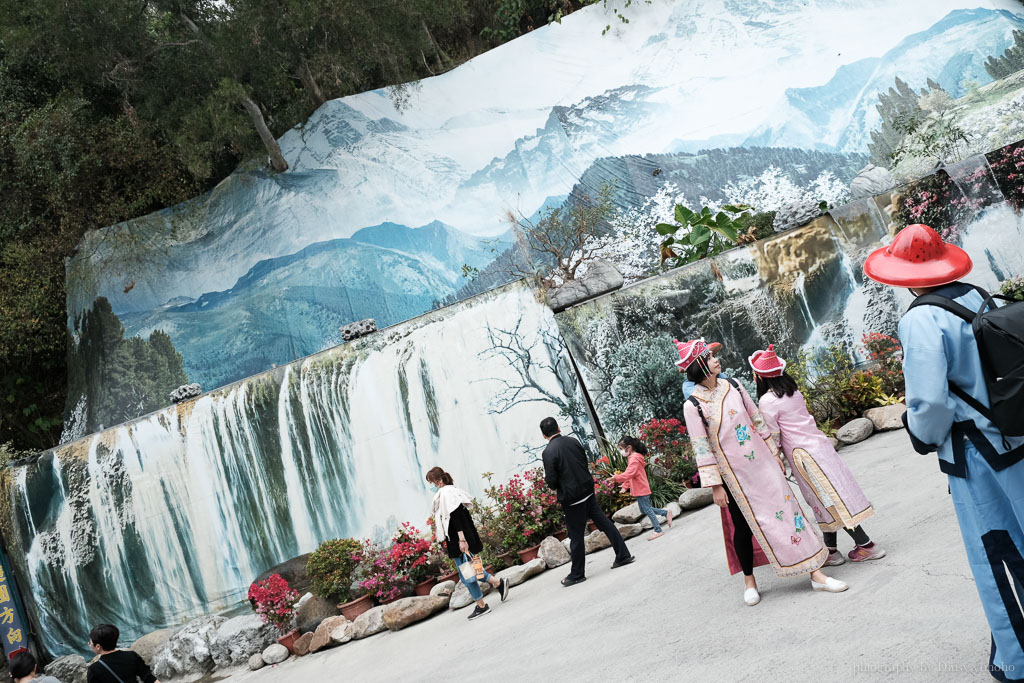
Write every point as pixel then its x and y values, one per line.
pixel 739 461
pixel 825 481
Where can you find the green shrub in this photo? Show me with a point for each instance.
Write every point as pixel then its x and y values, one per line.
pixel 1013 288
pixel 331 567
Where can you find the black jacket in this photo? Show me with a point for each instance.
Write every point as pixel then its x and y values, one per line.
pixel 566 470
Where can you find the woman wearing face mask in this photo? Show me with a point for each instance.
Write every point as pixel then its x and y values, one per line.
pixel 455 529
pixel 739 460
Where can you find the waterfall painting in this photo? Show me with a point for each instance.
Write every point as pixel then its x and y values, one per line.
pixel 801 290
pixel 172 515
pixel 385 212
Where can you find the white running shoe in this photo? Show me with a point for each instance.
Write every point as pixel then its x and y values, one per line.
pixel 751 596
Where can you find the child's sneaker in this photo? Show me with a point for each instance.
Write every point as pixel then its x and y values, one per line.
pixel 479 611
pixel 862 554
pixel 835 558
pixel 668 520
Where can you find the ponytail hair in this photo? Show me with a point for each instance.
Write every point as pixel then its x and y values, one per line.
pixel 636 444
pixel 438 474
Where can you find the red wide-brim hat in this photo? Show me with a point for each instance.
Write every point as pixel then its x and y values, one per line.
pixel 918 257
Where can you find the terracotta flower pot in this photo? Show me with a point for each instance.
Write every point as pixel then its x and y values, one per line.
pixel 388 602
pixel 288 640
pixel 506 558
pixel 423 587
pixel 352 609
pixel 528 554
pixel 561 535
pixel 454 576
pixel 591 526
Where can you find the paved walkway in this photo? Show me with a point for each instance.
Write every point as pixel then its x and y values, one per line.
pixel 676 613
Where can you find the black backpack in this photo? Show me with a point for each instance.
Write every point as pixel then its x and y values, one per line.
pixel 1000 336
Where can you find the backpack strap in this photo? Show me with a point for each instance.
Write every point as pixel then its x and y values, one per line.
pixel 945 303
pixel 107 667
pixel 700 411
pixel 734 383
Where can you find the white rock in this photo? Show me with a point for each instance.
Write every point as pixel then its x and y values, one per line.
pixel 887 418
pixel 674 508
pixel 303 600
pixel 444 588
pixel 519 573
pixel 256 662
pixel 553 552
pixel 369 622
pixel 693 499
pixel 344 633
pixel 275 654
pixel 462 598
pixel 628 515
pixel 855 431
pixel 645 523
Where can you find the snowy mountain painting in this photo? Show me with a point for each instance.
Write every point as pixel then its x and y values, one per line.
pixel 381 209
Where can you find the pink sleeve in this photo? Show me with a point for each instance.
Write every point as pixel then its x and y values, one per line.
pixel 707 466
pixel 631 470
pixel 768 433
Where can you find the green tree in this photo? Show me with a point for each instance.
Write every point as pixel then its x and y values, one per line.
pixel 1009 62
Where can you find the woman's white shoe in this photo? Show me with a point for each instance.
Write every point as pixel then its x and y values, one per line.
pixel 831 585
pixel 751 596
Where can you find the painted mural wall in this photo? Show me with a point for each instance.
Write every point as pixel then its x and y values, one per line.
pixel 172 515
pixel 801 290
pixel 382 208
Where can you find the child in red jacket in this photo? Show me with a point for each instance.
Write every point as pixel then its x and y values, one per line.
pixel 634 479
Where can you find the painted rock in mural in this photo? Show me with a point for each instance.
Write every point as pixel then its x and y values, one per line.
pixel 601 278
pixel 238 638
pixel 188 650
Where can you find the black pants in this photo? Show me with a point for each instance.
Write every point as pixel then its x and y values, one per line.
pixel 859 536
pixel 576 517
pixel 742 537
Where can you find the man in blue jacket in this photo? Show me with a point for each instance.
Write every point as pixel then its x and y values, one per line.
pixel 985 468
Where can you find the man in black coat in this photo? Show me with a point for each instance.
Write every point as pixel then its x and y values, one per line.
pixel 566 471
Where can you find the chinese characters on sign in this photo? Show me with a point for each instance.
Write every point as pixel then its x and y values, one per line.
pixel 12 633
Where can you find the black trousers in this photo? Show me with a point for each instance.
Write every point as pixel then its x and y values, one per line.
pixel 742 537
pixel 576 517
pixel 859 536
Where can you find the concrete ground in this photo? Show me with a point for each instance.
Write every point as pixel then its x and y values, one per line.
pixel 676 613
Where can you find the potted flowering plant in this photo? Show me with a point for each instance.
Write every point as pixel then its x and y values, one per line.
pixel 410 554
pixel 275 604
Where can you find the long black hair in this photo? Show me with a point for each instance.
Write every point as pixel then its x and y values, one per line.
pixel 697 371
pixel 636 444
pixel 784 385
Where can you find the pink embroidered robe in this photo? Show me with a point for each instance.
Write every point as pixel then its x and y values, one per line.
pixel 825 481
pixel 736 449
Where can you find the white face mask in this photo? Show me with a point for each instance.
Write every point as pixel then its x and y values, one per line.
pixel 623 451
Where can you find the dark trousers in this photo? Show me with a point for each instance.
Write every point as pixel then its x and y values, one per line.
pixel 742 537
pixel 576 517
pixel 859 536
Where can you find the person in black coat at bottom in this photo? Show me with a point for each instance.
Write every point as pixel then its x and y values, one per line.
pixel 113 665
pixel 566 471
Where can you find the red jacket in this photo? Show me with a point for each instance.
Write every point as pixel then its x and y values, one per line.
pixel 635 476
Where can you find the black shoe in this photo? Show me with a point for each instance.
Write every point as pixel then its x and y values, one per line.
pixel 503 589
pixel 622 563
pixel 572 582
pixel 479 611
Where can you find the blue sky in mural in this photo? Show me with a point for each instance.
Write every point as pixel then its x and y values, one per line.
pixel 381 208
